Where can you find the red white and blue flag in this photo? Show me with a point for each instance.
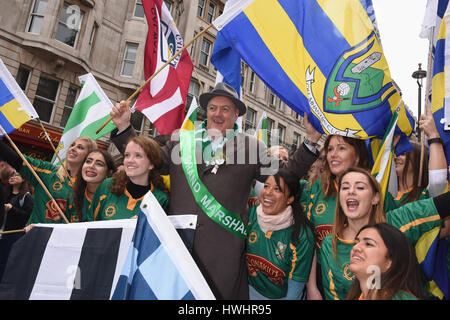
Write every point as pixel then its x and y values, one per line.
pixel 163 99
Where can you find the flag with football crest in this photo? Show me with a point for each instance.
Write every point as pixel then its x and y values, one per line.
pixel 163 99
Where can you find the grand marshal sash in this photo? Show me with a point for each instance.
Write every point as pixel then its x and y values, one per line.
pixel 203 197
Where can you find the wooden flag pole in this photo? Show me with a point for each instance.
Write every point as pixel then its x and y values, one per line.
pixel 135 93
pixel 12 231
pixel 54 149
pixel 35 174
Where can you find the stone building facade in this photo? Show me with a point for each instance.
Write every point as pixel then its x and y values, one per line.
pixel 47 44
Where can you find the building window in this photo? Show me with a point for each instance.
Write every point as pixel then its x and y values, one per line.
pixel 205 52
pixel 194 91
pixel 281 134
pixel 250 119
pixel 129 59
pixel 69 104
pixel 69 24
pixel 168 4
pixel 23 78
pixel 37 16
pixel 297 140
pixel 280 105
pixel 92 39
pixel 201 8
pixel 45 99
pixel 138 9
pixel 137 121
pixel 271 99
pixel 211 12
pixel 252 82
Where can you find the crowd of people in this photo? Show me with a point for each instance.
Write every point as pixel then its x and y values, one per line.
pixel 312 225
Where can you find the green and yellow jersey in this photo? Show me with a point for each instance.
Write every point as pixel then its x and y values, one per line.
pixel 108 206
pixel 272 258
pixel 44 210
pixel 413 219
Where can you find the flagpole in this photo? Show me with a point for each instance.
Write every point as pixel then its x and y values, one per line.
pixel 198 79
pixel 427 109
pixel 35 174
pixel 53 147
pixel 135 93
pixel 13 231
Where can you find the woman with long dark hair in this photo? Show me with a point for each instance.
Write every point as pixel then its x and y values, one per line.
pixel 385 265
pixel 280 245
pixel 97 166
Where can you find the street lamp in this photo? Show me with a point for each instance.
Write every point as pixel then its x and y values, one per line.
pixel 419 74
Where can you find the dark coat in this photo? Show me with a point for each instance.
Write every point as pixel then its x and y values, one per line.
pixel 219 254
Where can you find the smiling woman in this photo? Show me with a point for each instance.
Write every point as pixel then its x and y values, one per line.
pixel 280 245
pixel 120 197
pixel 358 205
pixel 97 166
pixel 54 178
pixel 385 265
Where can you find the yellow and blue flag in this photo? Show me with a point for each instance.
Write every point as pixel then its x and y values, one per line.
pixel 226 60
pixel 15 108
pixel 431 252
pixel 440 88
pixel 323 57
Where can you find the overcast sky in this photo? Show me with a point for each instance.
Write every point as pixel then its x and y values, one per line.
pixel 400 22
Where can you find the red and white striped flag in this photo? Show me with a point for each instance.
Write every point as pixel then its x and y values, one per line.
pixel 163 99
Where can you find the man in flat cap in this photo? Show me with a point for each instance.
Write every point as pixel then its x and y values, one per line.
pixel 212 169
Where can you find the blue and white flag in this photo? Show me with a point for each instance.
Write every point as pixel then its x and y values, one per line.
pixel 158 265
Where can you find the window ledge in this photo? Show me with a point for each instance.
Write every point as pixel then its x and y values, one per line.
pixel 88 3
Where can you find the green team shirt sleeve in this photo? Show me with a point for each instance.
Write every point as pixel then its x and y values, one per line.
pixel 415 218
pixel 44 210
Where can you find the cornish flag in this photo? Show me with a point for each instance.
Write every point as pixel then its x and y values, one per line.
pixel 163 99
pixel 121 259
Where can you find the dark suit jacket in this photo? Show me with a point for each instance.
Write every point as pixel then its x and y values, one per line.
pixel 219 254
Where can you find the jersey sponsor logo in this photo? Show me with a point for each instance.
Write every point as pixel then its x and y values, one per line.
pixel 281 249
pixel 322 231
pixel 110 210
pixel 257 264
pixel 57 185
pixel 253 237
pixel 51 211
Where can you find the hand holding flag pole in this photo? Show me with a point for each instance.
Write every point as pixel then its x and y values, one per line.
pixel 34 173
pixel 138 90
pixel 54 149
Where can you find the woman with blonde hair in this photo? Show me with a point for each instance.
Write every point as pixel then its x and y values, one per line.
pixel 120 196
pixel 358 205
pixel 53 176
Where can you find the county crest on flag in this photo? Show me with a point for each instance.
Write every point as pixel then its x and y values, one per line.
pixel 15 108
pixel 322 57
pixel 163 99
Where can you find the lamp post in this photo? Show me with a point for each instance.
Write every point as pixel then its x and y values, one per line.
pixel 419 74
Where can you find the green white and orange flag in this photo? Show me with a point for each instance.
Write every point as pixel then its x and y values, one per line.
pixel 261 129
pixel 191 116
